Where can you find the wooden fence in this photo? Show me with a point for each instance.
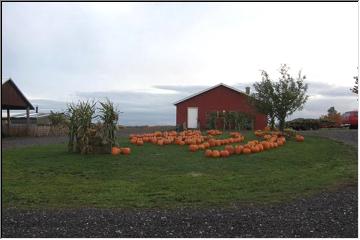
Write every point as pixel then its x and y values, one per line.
pixel 20 130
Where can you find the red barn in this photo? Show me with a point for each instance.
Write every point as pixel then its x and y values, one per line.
pixel 192 111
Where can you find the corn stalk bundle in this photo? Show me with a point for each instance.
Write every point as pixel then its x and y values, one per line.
pixel 85 136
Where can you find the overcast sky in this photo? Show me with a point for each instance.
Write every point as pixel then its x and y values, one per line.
pixel 145 56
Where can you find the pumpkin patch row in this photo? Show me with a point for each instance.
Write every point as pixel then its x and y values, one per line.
pixel 188 137
pixel 251 147
pixel 215 142
pixel 214 132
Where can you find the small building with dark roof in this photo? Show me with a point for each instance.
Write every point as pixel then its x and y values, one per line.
pixel 13 99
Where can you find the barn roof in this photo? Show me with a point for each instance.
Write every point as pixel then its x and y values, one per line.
pixel 208 89
pixel 12 97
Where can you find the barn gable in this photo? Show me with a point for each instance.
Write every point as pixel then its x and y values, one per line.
pixel 209 89
pixel 12 97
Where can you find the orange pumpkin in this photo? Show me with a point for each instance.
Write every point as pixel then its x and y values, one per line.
pixel 238 149
pixel 208 153
pixel 201 146
pixel 230 149
pixel 133 140
pixel 299 138
pixel 115 151
pixel 266 145
pixel 140 142
pixel 224 153
pixel 215 154
pixel 246 150
pixel 126 151
pixel 193 148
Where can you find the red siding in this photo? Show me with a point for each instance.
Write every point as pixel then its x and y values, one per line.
pixel 218 99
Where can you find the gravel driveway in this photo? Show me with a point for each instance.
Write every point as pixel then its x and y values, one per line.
pixel 348 136
pixel 328 214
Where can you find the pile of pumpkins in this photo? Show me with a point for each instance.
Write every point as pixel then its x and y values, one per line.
pixel 196 141
pixel 270 141
pixel 193 138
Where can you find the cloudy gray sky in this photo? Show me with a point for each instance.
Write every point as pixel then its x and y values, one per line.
pixel 145 56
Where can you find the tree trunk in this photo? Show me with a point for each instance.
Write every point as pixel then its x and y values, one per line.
pixel 281 124
pixel 272 122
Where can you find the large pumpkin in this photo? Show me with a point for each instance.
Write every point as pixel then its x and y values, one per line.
pixel 115 151
pixel 246 150
pixel 299 138
pixel 215 154
pixel 140 142
pixel 224 153
pixel 125 151
pixel 254 149
pixel 265 144
pixel 230 149
pixel 238 149
pixel 260 147
pixel 208 153
pixel 201 146
pixel 193 148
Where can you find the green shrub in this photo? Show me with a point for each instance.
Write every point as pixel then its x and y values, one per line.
pixel 303 124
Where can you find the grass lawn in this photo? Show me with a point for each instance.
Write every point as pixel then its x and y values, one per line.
pixel 171 176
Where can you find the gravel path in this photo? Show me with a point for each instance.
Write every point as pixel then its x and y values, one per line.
pixel 348 136
pixel 18 142
pixel 328 214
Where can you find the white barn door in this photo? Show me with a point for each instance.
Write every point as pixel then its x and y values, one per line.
pixel 192 117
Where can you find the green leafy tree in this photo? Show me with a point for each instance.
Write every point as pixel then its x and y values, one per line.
pixel 281 98
pixel 289 95
pixel 263 98
pixel 57 118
